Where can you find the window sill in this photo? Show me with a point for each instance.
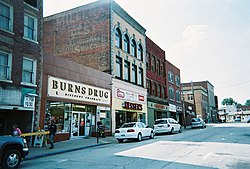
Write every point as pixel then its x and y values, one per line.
pixel 33 41
pixel 28 84
pixel 7 81
pixel 8 31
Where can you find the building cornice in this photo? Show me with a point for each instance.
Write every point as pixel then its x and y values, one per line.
pixel 125 16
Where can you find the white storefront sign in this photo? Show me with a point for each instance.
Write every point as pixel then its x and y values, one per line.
pixel 29 101
pixel 129 96
pixel 66 89
pixel 172 108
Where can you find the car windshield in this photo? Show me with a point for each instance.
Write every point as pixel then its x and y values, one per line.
pixel 127 125
pixel 160 122
pixel 195 120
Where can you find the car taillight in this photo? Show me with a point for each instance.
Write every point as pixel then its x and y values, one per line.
pixel 117 131
pixel 130 130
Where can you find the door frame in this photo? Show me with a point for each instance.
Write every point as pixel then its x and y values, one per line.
pixel 86 128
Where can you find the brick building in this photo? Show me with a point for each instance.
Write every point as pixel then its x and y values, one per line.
pixel 20 63
pixel 156 82
pixel 202 95
pixel 173 85
pixel 103 36
pixel 75 97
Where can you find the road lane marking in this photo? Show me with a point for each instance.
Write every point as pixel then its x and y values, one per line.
pixel 206 156
pixel 61 161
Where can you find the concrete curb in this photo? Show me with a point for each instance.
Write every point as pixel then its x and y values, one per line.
pixel 64 151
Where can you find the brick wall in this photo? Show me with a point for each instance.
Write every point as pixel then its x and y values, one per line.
pixel 154 50
pixel 81 35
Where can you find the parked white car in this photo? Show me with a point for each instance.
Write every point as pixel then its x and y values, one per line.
pixel 166 125
pixel 133 130
pixel 198 122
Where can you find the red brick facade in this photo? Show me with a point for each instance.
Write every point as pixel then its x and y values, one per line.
pixel 152 74
pixel 81 35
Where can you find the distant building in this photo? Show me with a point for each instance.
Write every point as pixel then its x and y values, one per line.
pixel 20 64
pixel 202 95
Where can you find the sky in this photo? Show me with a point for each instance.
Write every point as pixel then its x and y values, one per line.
pixel 205 39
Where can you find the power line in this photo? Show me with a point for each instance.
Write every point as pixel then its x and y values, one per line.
pixel 232 85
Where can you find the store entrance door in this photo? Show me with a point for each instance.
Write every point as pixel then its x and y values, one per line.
pixel 80 124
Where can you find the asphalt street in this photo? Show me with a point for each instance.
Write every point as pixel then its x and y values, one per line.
pixel 222 146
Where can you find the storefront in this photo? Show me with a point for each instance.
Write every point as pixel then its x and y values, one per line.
pixel 76 108
pixel 172 111
pixel 17 106
pixel 129 106
pixel 156 111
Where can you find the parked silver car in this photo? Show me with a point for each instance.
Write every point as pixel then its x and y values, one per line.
pixel 198 123
pixel 166 125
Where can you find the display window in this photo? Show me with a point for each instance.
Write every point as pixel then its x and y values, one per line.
pixel 60 113
pixel 126 117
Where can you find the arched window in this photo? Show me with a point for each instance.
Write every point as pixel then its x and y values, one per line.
pixel 133 48
pixel 126 43
pixel 140 52
pixel 118 38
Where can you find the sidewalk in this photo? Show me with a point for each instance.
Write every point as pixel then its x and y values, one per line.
pixel 68 145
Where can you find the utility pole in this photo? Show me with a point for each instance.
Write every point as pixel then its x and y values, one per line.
pixel 183 107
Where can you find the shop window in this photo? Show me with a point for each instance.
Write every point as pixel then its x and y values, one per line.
pixel 120 118
pixel 105 119
pixel 60 113
pixel 31 2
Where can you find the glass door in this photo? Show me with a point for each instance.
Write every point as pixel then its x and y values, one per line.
pixel 80 125
pixel 75 124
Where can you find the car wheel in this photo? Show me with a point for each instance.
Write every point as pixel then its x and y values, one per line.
pixel 139 137
pixel 11 159
pixel 180 130
pixel 120 140
pixel 172 130
pixel 151 135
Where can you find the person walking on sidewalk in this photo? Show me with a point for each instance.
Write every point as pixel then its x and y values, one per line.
pixel 16 131
pixel 52 133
